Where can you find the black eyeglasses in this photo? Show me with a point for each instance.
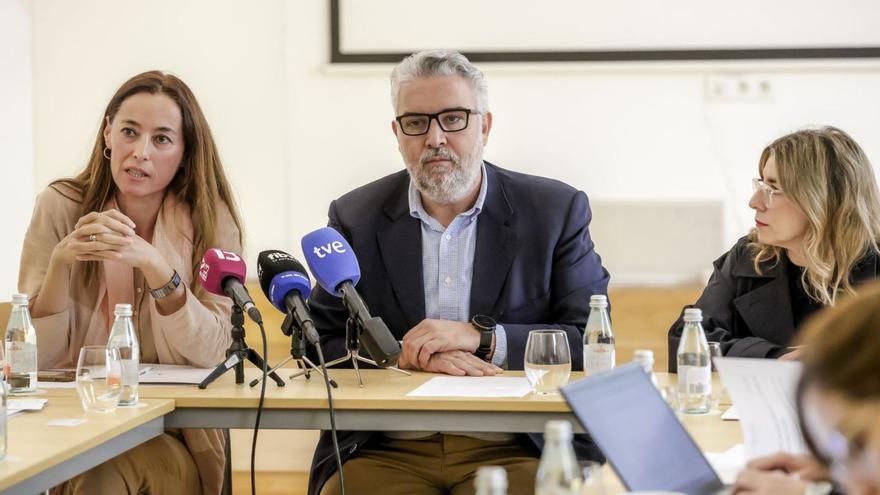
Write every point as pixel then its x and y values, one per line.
pixel 451 120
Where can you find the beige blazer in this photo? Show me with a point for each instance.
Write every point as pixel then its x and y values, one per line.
pixel 197 334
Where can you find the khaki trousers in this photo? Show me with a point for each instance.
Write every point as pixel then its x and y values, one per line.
pixel 162 465
pixel 437 465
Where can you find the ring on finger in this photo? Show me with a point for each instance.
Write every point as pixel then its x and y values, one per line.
pixel 93 237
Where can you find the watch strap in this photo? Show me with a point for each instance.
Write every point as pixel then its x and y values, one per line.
pixel 167 289
pixel 486 327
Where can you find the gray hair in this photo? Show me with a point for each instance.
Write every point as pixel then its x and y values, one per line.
pixel 439 63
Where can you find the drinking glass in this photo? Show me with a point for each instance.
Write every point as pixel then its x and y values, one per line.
pixel 717 387
pixel 547 361
pixel 99 378
pixel 594 483
pixel 670 395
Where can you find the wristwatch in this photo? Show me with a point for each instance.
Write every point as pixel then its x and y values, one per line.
pixel 486 326
pixel 167 289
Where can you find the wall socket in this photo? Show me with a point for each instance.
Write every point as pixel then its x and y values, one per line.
pixel 737 88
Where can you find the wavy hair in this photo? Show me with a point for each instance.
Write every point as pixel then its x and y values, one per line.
pixel 828 177
pixel 200 182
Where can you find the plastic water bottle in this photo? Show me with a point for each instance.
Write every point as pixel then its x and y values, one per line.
pixel 558 472
pixel 124 338
pixel 491 480
pixel 2 419
pixel 21 348
pixel 645 357
pixel 598 338
pixel 694 366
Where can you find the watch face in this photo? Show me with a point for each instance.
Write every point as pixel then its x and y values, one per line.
pixel 483 321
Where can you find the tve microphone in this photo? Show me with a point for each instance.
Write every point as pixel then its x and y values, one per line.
pixel 222 273
pixel 286 285
pixel 336 269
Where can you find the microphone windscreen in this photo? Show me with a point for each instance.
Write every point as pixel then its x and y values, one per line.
pixel 279 273
pixel 331 259
pixel 273 262
pixel 217 266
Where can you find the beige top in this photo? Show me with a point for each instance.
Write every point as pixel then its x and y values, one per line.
pixel 197 334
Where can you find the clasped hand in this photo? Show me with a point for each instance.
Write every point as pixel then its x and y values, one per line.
pixel 105 235
pixel 444 346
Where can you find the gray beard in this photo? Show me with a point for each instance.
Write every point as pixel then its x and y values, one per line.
pixel 449 186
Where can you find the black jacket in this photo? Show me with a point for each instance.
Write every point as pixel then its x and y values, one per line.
pixel 534 267
pixel 751 315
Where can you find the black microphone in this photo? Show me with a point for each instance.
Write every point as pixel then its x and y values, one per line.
pixel 286 285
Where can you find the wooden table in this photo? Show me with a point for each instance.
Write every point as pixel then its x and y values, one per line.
pixel 40 456
pixel 302 404
pixel 382 404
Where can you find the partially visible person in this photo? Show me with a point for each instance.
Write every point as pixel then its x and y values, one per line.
pixel 817 225
pixel 838 406
pixel 131 228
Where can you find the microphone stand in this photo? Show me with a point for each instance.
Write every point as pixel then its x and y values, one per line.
pixel 297 353
pixel 237 353
pixel 353 329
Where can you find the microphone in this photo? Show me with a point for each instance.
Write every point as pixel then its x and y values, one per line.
pixel 286 285
pixel 222 273
pixel 336 269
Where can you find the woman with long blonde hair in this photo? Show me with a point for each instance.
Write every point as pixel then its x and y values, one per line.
pixel 817 225
pixel 130 229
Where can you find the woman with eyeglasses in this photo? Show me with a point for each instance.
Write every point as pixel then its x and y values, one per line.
pixel 838 405
pixel 817 225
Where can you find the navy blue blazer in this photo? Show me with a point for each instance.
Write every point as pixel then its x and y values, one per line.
pixel 534 267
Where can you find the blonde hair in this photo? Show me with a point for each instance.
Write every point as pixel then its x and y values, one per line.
pixel 828 177
pixel 200 182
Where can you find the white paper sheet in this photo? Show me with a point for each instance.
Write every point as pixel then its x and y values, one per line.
pixel 17 405
pixel 172 374
pixel 728 464
pixel 152 374
pixel 730 414
pixel 763 392
pixel 68 422
pixel 473 386
pixel 56 384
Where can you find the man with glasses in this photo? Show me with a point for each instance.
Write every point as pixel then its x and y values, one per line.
pixel 461 259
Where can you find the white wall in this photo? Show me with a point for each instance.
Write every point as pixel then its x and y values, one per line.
pixel 296 133
pixel 16 164
pixel 230 53
pixel 621 132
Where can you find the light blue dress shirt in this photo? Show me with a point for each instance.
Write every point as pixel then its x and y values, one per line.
pixel 448 263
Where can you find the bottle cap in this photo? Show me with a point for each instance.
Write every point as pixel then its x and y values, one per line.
pixel 557 430
pixel 19 299
pixel 490 477
pixel 643 354
pixel 123 310
pixel 693 314
pixel 598 301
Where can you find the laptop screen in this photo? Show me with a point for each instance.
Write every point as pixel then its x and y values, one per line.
pixel 639 433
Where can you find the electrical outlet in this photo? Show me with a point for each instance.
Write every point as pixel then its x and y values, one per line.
pixel 737 88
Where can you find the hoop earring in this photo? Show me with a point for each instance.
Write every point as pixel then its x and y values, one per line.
pixel 106 152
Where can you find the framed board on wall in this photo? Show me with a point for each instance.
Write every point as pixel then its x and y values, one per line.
pixel 384 31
